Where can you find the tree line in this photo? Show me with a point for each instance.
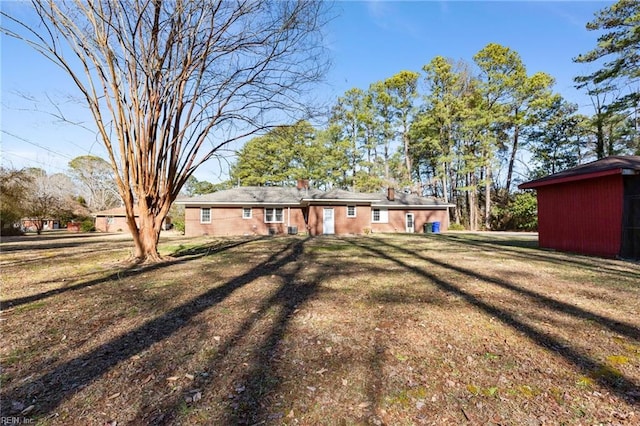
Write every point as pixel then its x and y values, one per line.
pixel 466 132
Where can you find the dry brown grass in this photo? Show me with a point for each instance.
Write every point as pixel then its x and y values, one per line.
pixel 403 329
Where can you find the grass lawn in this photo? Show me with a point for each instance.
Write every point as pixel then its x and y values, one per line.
pixel 391 329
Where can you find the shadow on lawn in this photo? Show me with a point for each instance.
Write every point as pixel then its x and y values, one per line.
pixel 558 258
pixel 68 378
pixel 180 256
pixel 52 242
pixel 620 385
pixel 255 388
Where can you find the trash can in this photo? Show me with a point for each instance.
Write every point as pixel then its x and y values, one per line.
pixel 436 227
pixel 427 227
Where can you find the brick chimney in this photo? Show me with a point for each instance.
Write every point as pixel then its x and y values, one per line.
pixel 303 184
pixel 391 194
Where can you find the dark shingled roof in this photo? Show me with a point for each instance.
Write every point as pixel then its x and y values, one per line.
pixel 606 166
pixel 253 195
pixel 271 195
pixel 401 199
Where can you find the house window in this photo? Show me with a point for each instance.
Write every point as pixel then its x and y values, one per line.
pixel 351 211
pixel 379 216
pixel 205 215
pixel 246 213
pixel 273 215
pixel 110 220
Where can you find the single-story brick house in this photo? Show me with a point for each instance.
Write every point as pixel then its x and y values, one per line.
pixel 115 220
pixel 254 210
pixel 592 209
pixel 31 224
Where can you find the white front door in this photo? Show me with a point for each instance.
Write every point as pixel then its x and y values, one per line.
pixel 328 222
pixel 409 223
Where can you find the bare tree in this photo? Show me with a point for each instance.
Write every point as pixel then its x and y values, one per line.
pixel 96 177
pixel 169 83
pixel 43 199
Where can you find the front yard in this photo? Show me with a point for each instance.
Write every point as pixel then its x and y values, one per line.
pixel 389 329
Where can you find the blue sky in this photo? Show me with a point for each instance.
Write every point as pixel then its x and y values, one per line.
pixel 368 41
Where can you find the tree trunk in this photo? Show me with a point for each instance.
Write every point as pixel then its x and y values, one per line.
pixel 146 233
pixel 445 188
pixel 407 158
pixel 473 202
pixel 512 159
pixel 599 137
pixel 487 200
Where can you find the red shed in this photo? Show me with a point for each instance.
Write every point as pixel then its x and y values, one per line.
pixel 592 209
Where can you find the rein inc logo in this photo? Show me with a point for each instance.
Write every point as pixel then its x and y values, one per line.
pixel 16 421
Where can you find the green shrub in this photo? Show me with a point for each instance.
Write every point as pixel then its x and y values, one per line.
pixel 519 214
pixel 178 225
pixel 87 225
pixel 177 217
pixel 456 227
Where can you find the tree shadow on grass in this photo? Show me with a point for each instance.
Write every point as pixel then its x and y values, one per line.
pixel 533 252
pixel 617 384
pixel 63 381
pixel 251 404
pixel 178 257
pixel 34 244
pixel 252 400
pixel 619 327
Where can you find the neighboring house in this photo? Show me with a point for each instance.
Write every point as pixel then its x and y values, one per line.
pixel 592 209
pixel 115 220
pixel 274 210
pixel 29 224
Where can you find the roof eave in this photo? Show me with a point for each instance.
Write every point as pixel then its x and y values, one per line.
pixel 337 200
pixel 554 181
pixel 236 203
pixel 414 206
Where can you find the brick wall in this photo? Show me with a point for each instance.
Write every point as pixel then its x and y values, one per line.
pixel 118 224
pixel 343 225
pixel 228 221
pixel 397 220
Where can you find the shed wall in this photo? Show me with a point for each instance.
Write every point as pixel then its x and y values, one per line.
pixel 583 216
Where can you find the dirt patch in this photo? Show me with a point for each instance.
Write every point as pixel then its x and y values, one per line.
pixel 403 329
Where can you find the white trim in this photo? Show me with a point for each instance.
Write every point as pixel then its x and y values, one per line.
pixel 250 212
pixel 413 222
pixel 339 200
pixel 412 206
pixel 189 203
pixel 355 211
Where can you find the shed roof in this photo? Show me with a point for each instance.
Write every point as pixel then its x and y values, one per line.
pixel 615 164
